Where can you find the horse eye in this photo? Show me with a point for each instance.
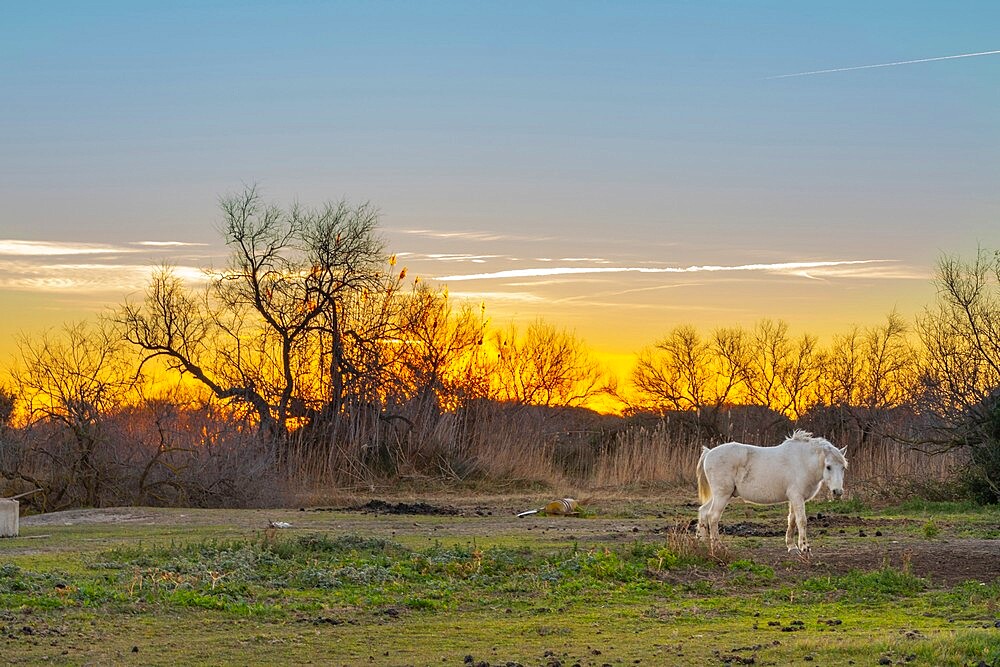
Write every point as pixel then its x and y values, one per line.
pixel 829 468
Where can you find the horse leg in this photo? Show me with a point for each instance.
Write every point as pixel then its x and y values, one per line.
pixel 717 506
pixel 791 529
pixel 702 532
pixel 704 514
pixel 799 507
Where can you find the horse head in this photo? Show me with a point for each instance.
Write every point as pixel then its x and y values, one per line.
pixel 835 463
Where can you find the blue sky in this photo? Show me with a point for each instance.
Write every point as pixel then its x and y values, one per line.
pixel 513 136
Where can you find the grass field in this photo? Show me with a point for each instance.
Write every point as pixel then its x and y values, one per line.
pixel 459 580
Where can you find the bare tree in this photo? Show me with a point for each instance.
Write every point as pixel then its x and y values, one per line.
pixel 960 370
pixel 71 382
pixel 291 276
pixel 442 347
pixel 682 371
pixel 780 372
pixel 545 366
pixel 873 368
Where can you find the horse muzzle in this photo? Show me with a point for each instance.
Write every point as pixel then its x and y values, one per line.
pixel 837 493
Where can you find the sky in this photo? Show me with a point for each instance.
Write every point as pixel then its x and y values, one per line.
pixel 617 169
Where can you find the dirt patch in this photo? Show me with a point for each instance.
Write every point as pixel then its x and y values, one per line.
pixel 750 529
pixel 420 508
pixel 943 563
pixel 87 517
pixel 822 520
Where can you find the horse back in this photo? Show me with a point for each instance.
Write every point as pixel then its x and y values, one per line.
pixel 763 475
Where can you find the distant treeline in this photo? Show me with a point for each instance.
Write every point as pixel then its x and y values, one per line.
pixel 311 362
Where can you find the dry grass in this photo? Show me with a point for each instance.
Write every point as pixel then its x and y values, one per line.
pixel 640 455
pixel 503 446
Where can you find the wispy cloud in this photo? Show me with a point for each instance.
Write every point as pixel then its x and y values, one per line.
pixel 170 244
pixel 469 235
pixel 85 277
pixel 71 267
pixel 806 269
pixel 22 248
pixel 448 257
pixel 892 64
pixel 19 248
pixel 495 297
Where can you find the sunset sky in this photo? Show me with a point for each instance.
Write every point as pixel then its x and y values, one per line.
pixel 616 168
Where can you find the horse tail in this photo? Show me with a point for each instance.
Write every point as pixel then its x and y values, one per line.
pixel 704 490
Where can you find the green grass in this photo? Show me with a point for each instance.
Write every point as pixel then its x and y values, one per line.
pixel 218 595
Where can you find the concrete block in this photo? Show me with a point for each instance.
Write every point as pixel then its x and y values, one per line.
pixel 8 517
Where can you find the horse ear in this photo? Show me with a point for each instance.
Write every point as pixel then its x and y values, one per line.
pixel 843 450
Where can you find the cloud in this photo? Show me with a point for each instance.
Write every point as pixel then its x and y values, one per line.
pixel 169 244
pixel 892 64
pixel 470 235
pixel 19 275
pixel 19 248
pixel 70 267
pixel 804 269
pixel 448 257
pixel 22 248
pixel 494 297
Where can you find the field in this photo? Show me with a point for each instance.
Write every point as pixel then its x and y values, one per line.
pixel 459 580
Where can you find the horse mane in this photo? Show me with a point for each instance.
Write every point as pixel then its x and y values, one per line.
pixel 835 451
pixel 805 436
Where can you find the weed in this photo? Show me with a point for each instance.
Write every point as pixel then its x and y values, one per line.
pixel 746 572
pixel 879 585
pixel 846 506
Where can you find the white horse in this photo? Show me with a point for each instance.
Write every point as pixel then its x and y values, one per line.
pixel 792 471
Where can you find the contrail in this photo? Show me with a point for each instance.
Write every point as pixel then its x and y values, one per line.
pixel 900 62
pixel 580 270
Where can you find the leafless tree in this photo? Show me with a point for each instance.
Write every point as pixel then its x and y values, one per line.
pixel 71 382
pixel 545 366
pixel 960 370
pixel 442 348
pixel 873 368
pixel 780 372
pixel 291 278
pixel 684 371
